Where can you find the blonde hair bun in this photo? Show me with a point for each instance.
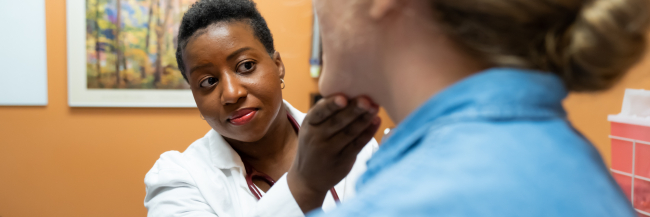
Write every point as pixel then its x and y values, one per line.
pixel 590 44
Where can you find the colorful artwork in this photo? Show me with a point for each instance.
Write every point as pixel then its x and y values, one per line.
pixel 131 44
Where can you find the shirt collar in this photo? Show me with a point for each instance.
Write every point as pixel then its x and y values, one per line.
pixel 495 94
pixel 223 156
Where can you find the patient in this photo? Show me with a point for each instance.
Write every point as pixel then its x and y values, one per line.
pixel 476 87
pixel 226 53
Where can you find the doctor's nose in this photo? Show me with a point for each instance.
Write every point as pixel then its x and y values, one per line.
pixel 232 90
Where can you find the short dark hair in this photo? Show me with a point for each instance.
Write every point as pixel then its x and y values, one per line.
pixel 204 13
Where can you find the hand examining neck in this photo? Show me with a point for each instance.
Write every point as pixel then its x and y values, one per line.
pixel 333 133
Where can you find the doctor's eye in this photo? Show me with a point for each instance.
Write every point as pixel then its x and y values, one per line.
pixel 208 82
pixel 246 67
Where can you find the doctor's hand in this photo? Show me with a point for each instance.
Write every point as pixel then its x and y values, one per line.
pixel 332 134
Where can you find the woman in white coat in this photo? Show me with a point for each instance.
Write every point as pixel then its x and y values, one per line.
pixel 225 51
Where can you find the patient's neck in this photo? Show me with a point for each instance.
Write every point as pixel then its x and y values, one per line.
pixel 274 153
pixel 418 61
pixel 422 74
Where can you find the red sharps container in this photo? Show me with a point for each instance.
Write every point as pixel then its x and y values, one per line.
pixel 630 137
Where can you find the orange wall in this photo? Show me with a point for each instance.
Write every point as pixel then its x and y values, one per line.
pixel 588 111
pixel 74 162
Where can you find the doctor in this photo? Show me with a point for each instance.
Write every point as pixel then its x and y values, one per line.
pixel 226 53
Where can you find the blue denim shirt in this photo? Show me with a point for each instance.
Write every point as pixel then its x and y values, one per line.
pixel 495 144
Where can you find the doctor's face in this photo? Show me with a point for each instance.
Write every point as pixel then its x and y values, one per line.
pixel 349 54
pixel 235 82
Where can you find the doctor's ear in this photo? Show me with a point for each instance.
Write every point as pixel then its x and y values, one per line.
pixel 381 8
pixel 277 59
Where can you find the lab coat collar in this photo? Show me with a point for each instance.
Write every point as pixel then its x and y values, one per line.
pixel 223 156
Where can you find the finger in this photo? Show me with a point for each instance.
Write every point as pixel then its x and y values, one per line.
pixel 357 108
pixel 352 131
pixel 354 147
pixel 326 107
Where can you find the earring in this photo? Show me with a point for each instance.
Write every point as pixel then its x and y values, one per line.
pixel 282 81
pixel 202 118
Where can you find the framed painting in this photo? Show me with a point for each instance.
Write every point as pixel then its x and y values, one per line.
pixel 121 53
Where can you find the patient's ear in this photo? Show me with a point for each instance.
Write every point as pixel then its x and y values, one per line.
pixel 380 8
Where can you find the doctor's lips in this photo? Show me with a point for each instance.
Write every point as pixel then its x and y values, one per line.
pixel 242 116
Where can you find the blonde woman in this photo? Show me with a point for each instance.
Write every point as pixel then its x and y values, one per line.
pixel 477 88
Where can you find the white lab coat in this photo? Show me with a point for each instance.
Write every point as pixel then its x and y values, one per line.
pixel 207 180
